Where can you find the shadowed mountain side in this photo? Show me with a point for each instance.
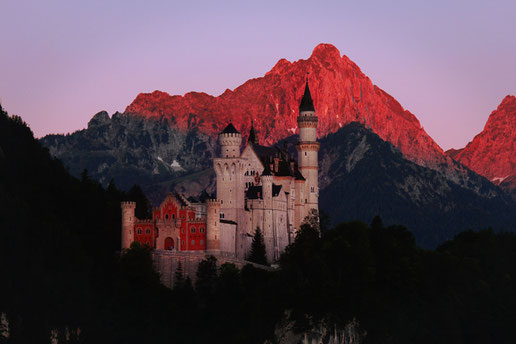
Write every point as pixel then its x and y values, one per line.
pixel 133 150
pixel 362 176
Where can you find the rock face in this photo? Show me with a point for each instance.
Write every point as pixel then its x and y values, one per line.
pixel 130 150
pixel 341 92
pixel 492 153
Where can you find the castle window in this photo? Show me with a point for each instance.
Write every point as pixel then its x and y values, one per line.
pixel 312 189
pixel 305 154
pixel 306 201
pixel 201 230
pixel 173 216
pixel 183 243
pixel 166 216
pixel 183 231
pixel 192 229
pixel 139 231
pixel 147 231
pixel 193 242
pixel 202 242
pixel 148 242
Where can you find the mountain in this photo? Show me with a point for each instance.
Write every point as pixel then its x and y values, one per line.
pixel 361 176
pixel 341 92
pixel 492 153
pixel 129 149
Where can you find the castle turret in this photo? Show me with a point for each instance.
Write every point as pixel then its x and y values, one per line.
pixel 308 149
pixel 128 220
pixel 213 225
pixel 230 140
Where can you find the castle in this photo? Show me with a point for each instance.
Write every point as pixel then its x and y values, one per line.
pixel 259 187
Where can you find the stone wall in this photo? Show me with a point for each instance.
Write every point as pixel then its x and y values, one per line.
pixel 166 262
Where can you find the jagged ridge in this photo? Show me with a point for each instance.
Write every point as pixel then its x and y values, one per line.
pixel 342 94
pixel 492 153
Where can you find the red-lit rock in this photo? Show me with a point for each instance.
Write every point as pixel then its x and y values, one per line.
pixel 341 92
pixel 492 153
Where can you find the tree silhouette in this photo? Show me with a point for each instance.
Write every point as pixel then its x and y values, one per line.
pixel 179 278
pixel 258 254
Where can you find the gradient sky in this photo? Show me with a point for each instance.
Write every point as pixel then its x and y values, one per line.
pixel 448 62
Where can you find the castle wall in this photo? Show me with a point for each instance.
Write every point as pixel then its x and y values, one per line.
pixel 228 232
pixel 166 263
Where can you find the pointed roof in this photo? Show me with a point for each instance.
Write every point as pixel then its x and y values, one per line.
pixel 252 135
pixel 230 129
pixel 307 104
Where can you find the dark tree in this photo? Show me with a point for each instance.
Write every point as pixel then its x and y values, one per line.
pixel 258 254
pixel 179 278
pixel 206 277
pixel 143 207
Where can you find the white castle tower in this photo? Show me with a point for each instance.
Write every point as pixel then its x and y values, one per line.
pixel 229 170
pixel 308 149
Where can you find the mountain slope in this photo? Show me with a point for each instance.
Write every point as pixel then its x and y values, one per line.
pixel 133 150
pixel 341 92
pixel 362 176
pixel 492 153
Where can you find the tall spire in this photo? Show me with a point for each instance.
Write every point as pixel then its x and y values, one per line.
pixel 252 134
pixel 307 104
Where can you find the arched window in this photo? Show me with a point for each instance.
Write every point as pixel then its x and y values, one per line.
pixel 147 231
pixel 166 216
pixel 173 216
pixel 201 230
pixel 139 231
pixel 192 229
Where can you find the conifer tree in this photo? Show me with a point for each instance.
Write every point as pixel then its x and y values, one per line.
pixel 179 279
pixel 258 254
pixel 206 276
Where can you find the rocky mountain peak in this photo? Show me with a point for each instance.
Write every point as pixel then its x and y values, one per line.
pixel 340 91
pixel 326 52
pixel 100 118
pixel 492 153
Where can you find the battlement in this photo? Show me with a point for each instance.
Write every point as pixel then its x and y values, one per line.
pixel 267 178
pixel 128 204
pixel 307 121
pixel 230 139
pixel 237 135
pixel 212 201
pixel 144 222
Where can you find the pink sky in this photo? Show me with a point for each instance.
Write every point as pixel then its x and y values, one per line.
pixel 449 62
